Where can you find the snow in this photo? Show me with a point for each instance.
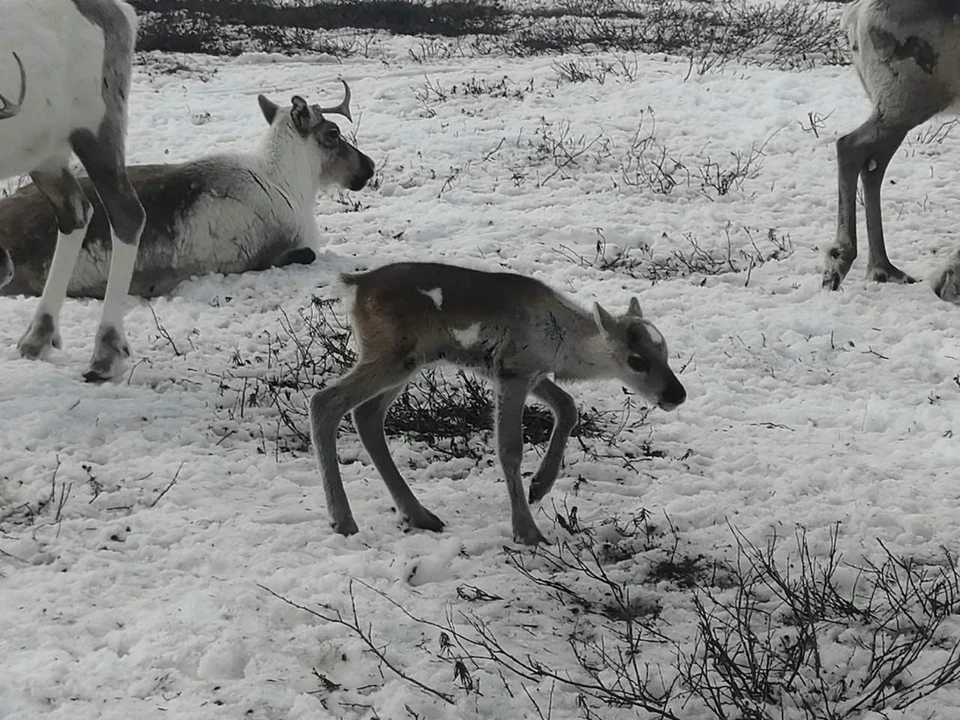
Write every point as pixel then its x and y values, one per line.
pixel 143 592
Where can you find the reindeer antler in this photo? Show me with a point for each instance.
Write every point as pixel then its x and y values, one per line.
pixel 344 107
pixel 9 109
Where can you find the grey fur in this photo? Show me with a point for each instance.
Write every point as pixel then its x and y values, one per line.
pixel 512 329
pixel 907 54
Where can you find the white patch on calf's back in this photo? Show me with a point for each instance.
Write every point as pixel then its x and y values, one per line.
pixel 436 294
pixel 467 336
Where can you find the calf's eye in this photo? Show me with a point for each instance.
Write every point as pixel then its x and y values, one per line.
pixel 638 364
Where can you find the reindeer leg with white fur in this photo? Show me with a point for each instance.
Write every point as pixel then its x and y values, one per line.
pixel 103 157
pixel 60 187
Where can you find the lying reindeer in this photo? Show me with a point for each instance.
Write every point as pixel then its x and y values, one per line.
pixel 513 329
pixel 223 213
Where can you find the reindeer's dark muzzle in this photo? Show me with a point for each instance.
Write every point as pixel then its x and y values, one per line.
pixel 673 396
pixel 364 173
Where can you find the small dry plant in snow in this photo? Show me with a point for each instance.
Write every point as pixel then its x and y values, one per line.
pixel 778 633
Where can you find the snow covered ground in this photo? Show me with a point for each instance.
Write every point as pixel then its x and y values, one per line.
pixel 805 407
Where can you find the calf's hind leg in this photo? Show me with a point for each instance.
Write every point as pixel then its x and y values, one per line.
pixel 327 408
pixel 369 417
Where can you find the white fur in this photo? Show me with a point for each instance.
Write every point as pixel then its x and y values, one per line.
pixel 435 294
pixel 62 56
pixel 467 336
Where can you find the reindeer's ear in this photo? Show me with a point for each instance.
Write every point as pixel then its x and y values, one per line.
pixel 268 109
pixel 300 114
pixel 604 320
pixel 634 308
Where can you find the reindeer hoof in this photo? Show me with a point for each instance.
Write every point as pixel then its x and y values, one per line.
pixel 539 488
pixel 110 350
pixel 346 527
pixel 947 284
pixel 40 338
pixel 529 536
pixel 889 275
pixel 425 520
pixel 835 268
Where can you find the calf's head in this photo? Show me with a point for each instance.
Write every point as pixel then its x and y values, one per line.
pixel 640 351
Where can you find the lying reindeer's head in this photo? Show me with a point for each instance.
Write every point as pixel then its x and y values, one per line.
pixel 641 352
pixel 334 160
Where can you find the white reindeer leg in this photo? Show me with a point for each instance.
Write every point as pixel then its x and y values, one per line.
pixel 73 210
pixel 565 419
pixel 368 418
pixel 103 157
pixel 511 397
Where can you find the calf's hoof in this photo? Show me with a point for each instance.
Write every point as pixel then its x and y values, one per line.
pixel 946 283
pixel 529 536
pixel 836 265
pixel 345 527
pixel 423 519
pixel 889 274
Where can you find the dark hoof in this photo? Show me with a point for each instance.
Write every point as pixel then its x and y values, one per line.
pixel 832 280
pixel 347 527
pixel 426 521
pixel 890 275
pixel 529 536
pixel 110 350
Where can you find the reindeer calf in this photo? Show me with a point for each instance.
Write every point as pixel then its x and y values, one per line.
pixel 515 330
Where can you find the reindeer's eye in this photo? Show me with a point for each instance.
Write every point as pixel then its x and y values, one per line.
pixel 330 136
pixel 638 364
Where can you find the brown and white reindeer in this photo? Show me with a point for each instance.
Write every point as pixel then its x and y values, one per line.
pixel 907 53
pixel 69 64
pixel 223 213
pixel 513 329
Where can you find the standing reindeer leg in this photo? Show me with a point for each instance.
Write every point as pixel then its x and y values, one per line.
pixel 369 417
pixel 865 153
pixel 327 408
pixel 73 210
pixel 906 54
pixel 511 396
pixel 103 157
pixel 565 418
